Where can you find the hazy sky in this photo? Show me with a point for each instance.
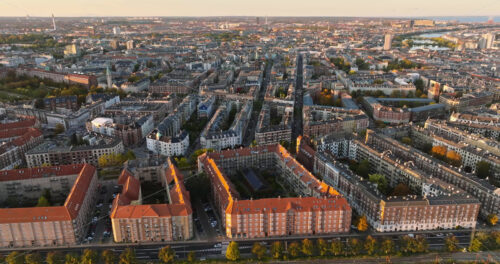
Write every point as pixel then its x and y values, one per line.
pixel 250 7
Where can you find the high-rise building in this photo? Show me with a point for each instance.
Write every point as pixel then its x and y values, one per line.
pixel 117 30
pixel 388 41
pixel 109 78
pixel 486 41
pixel 130 44
pixel 54 22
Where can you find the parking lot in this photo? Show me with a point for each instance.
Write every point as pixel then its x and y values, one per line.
pixel 100 227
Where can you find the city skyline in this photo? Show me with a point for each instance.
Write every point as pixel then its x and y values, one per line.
pixel 358 8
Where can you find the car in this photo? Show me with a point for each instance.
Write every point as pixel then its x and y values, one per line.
pixel 99 205
pixel 218 245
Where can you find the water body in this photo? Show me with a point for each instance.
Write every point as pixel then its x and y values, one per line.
pixel 433 35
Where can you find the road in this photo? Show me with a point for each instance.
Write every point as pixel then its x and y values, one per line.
pixel 298 104
pixel 252 124
pixel 215 248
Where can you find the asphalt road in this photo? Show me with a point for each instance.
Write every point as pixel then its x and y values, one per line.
pixel 298 104
pixel 215 248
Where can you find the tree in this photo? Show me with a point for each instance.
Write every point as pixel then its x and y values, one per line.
pixel 33 258
pixel 166 254
pixel 43 202
pixel 380 180
pixel 387 246
pixel 233 251
pixel 72 258
pixel 363 168
pixel 492 219
pixel 59 128
pixel 451 243
pixel 439 151
pixel 355 246
pixel 322 247
pixel 362 223
pixel 108 257
pixel 191 257
pixel 128 256
pixel 130 155
pixel 294 249
pixel 337 247
pixel 406 244
pixel 89 257
pixel 54 257
pixel 307 247
pixel 475 245
pixel 258 250
pixel 454 158
pixel 14 258
pixel 277 249
pixel 483 169
pixel 401 190
pixel 370 245
pixel 406 140
pixel 421 244
pixel 419 84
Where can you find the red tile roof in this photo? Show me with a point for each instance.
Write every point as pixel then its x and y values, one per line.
pixel 71 207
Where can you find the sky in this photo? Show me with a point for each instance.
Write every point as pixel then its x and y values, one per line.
pixel 374 8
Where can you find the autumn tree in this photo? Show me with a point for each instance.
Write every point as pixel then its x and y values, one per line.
pixel 453 158
pixel 72 258
pixel 89 257
pixel 439 151
pixel 451 243
pixel 307 247
pixel 387 246
pixel 42 202
pixel 276 249
pixel 370 245
pixel 54 257
pixel 322 247
pixel 233 251
pixel 14 258
pixel 128 256
pixel 258 250
pixel 492 219
pixel 108 257
pixel 294 249
pixel 475 245
pixel 191 256
pixel 33 258
pixel 166 254
pixel 355 246
pixel 362 223
pixel 337 247
pixel 406 140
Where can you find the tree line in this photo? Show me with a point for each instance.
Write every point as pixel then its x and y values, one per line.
pixel 278 250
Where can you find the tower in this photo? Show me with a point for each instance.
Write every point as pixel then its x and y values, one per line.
pixel 54 22
pixel 388 41
pixel 109 78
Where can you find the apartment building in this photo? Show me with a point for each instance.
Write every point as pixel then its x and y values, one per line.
pixel 274 124
pixel 446 209
pixel 320 120
pixel 17 138
pixel 133 221
pixel 131 131
pixel 62 225
pixel 319 210
pixel 217 135
pixel 487 194
pixel 58 153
